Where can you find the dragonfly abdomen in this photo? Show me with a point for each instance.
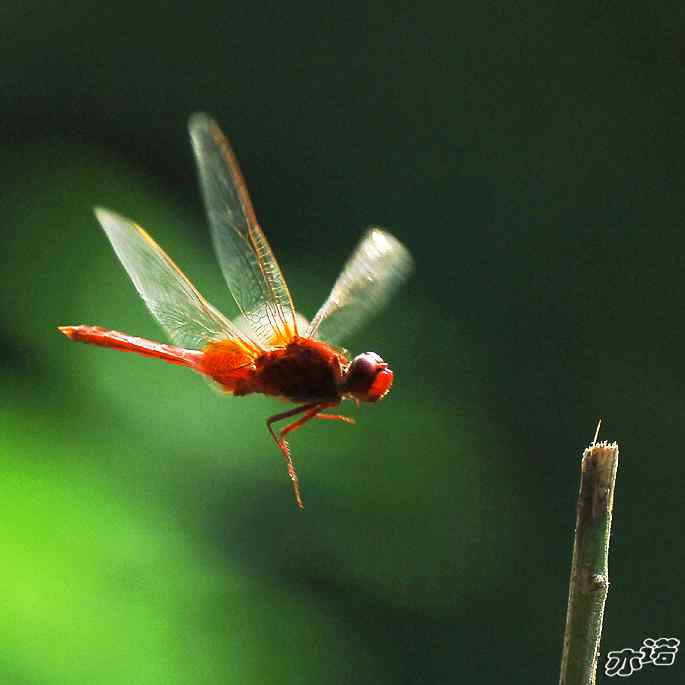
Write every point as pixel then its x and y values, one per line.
pixel 105 337
pixel 231 365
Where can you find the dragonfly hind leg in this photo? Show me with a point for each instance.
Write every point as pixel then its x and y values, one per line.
pixel 310 411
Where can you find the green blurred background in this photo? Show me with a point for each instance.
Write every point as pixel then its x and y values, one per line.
pixel 531 157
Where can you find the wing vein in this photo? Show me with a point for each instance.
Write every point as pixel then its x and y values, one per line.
pixel 247 262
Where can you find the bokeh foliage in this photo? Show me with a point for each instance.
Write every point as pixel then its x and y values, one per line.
pixel 531 159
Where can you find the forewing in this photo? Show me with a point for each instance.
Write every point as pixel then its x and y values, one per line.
pixel 248 264
pixel 187 317
pixel 377 267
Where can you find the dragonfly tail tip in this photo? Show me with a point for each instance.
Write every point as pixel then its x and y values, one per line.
pixel 66 330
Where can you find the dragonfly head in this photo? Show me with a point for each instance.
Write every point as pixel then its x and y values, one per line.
pixel 368 378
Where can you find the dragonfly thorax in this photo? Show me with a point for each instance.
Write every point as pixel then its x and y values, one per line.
pixel 305 370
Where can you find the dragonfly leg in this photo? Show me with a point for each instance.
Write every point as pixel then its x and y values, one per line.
pixel 335 417
pixel 309 411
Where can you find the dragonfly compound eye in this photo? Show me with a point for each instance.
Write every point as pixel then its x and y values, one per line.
pixel 368 378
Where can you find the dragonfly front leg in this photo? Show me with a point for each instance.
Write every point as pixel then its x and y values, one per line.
pixel 335 417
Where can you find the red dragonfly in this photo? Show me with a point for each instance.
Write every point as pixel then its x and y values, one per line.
pixel 269 348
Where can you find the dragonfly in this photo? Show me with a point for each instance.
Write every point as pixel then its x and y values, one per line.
pixel 270 348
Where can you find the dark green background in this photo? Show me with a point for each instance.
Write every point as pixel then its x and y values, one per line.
pixel 530 156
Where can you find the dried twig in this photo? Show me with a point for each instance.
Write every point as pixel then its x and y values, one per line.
pixel 589 571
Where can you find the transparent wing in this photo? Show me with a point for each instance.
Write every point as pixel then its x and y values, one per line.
pixel 248 264
pixel 243 324
pixel 377 267
pixel 187 317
